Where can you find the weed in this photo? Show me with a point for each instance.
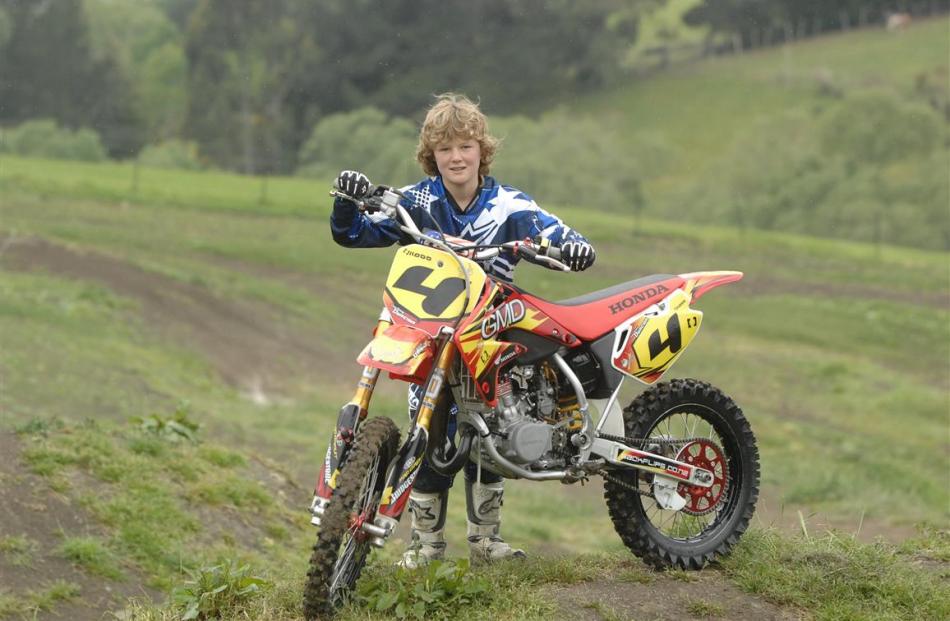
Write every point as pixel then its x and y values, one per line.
pixel 39 426
pixel 221 457
pixel 931 543
pixel 174 428
pixel 58 591
pixel 639 575
pixel 232 490
pixel 682 575
pixel 439 591
pixel 46 461
pixel 92 554
pixel 10 604
pixel 147 446
pixel 704 608
pixel 606 612
pixel 220 591
pixel 18 549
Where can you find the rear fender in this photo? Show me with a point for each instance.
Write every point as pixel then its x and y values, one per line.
pixel 698 283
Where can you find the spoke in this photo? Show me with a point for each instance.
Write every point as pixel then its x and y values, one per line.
pixel 343 566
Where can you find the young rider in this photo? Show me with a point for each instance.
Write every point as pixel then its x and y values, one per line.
pixel 456 151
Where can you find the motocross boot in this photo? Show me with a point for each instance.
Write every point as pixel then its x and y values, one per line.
pixel 483 501
pixel 428 529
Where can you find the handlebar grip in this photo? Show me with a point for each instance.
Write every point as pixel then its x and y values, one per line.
pixel 554 253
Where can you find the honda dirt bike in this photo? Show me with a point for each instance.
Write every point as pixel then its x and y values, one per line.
pixel 536 384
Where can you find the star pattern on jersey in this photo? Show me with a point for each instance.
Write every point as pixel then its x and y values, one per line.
pixel 498 209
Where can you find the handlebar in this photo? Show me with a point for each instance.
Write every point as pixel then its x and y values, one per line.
pixel 386 200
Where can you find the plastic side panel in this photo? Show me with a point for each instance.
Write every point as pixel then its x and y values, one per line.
pixel 648 344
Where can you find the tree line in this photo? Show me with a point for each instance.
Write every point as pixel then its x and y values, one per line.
pixel 248 80
pixel 743 24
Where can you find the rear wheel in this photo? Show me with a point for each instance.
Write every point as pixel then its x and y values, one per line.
pixel 341 549
pixel 695 422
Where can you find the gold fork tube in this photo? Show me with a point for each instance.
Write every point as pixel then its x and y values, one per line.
pixel 367 383
pixel 434 387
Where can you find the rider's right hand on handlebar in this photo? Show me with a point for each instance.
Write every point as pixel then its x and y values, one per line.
pixel 353 183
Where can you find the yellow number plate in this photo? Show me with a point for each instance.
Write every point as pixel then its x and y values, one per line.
pixel 428 283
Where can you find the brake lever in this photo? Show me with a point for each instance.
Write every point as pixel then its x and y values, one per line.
pixel 551 263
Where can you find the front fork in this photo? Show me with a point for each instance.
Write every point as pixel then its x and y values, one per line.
pixel 402 474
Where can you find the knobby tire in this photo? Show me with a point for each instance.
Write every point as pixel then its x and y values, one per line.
pixel 376 443
pixel 630 510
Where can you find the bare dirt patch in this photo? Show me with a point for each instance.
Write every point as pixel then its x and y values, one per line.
pixel 248 344
pixel 29 509
pixel 666 597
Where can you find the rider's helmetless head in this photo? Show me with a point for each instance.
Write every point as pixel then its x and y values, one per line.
pixel 454 118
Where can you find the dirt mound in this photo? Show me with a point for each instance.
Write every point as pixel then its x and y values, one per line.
pixel 34 522
pixel 249 344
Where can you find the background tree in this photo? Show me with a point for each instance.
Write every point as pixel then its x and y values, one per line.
pixel 49 70
pixel 240 58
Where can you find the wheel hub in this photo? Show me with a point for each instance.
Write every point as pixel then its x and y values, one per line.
pixel 708 455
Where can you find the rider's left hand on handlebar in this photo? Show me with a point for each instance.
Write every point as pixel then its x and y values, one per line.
pixel 577 255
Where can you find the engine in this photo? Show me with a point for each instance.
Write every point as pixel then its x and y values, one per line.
pixel 537 413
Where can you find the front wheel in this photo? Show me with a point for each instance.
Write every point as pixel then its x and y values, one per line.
pixel 341 549
pixel 690 421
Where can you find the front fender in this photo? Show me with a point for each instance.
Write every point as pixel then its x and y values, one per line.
pixel 402 350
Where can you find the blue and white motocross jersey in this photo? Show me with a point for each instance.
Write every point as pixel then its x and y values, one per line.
pixel 498 214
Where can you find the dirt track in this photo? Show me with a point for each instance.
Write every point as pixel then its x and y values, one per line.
pixel 247 344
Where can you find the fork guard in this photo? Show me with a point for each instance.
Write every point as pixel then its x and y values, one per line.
pixel 619 454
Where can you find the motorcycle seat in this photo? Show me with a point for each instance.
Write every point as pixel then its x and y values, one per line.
pixel 594 314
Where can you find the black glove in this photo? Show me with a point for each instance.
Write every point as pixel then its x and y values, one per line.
pixel 577 255
pixel 353 183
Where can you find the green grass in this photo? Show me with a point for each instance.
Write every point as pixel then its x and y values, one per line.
pixel 35 601
pixel 154 503
pixel 830 577
pixel 18 549
pixel 837 578
pixel 704 609
pixel 93 555
pixel 701 107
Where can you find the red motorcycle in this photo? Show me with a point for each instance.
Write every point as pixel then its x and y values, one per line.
pixel 537 384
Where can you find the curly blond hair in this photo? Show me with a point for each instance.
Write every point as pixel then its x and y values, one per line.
pixel 454 116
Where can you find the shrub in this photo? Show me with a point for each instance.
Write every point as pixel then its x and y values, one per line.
pixel 365 140
pixel 218 592
pixel 174 428
pixel 441 590
pixel 44 138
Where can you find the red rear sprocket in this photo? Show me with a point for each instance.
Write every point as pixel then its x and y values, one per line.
pixel 709 455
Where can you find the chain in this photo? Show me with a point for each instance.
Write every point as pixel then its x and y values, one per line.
pixel 639 442
pixel 625 485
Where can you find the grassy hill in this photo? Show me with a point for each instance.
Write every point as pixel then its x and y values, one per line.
pixel 701 108
pixel 191 294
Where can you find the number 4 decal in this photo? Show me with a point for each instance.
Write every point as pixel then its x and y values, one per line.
pixel 437 298
pixel 674 339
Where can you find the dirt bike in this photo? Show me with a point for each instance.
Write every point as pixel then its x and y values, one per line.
pixel 536 384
